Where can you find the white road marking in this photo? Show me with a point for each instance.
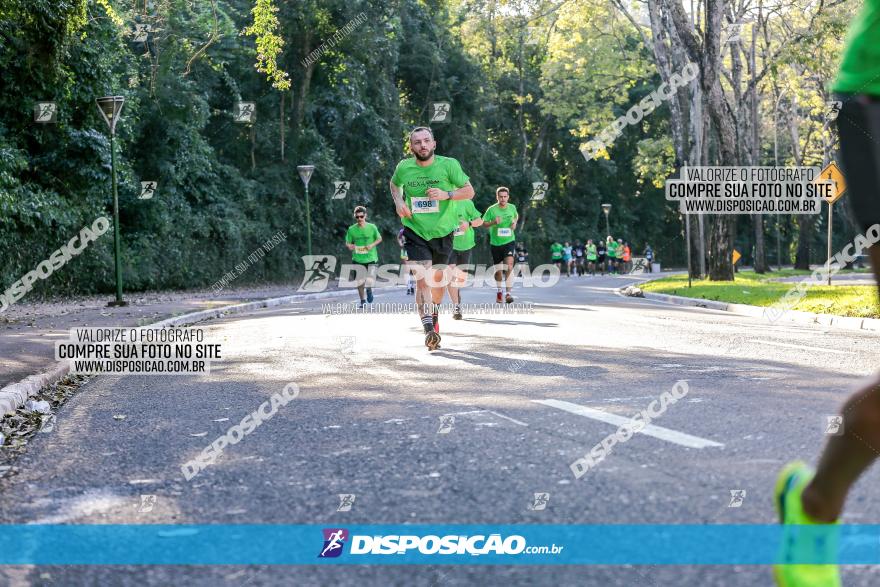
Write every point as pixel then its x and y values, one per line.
pixel 502 416
pixel 799 347
pixel 659 432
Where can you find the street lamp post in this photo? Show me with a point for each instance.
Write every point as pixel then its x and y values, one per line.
pixel 305 174
pixel 110 107
pixel 607 209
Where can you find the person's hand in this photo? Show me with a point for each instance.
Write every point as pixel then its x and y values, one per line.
pixel 436 194
pixel 403 210
pixel 350 246
pixel 369 247
pixel 464 225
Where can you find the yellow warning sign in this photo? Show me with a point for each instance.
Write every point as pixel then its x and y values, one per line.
pixel 832 173
pixel 736 256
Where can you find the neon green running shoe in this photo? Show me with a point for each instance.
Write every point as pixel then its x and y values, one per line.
pixel 806 538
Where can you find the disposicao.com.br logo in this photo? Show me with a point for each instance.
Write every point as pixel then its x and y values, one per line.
pixel 452 544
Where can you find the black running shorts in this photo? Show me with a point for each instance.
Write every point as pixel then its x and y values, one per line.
pixel 500 253
pixel 859 126
pixel 460 257
pixel 435 250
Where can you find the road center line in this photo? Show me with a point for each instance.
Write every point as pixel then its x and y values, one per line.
pixel 666 434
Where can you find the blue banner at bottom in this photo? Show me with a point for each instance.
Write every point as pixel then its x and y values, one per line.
pixel 438 544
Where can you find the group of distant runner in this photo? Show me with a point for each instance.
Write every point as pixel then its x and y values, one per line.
pixel 608 256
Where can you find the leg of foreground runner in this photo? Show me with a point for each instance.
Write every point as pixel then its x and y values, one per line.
pixel 803 497
pixel 455 283
pixel 424 303
pixel 508 261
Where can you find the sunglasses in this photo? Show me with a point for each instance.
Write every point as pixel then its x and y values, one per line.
pixel 359 216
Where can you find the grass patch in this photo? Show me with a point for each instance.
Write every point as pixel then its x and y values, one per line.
pixel 758 290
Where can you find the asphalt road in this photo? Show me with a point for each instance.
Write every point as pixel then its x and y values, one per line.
pixel 370 406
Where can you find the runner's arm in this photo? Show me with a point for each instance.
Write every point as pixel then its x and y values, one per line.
pixel 465 192
pixel 399 203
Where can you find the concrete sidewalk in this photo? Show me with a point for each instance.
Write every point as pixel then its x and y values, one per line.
pixel 28 331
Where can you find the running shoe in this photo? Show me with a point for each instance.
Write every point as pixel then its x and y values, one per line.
pixel 369 295
pixel 456 313
pixel 804 537
pixel 362 305
pixel 498 297
pixel 509 298
pixel 432 340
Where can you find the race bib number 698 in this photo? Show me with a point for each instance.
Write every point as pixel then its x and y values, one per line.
pixel 425 205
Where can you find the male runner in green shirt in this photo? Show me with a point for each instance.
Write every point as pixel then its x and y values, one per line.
pixel 801 496
pixel 592 254
pixel 361 238
pixel 424 187
pixel 611 247
pixel 462 243
pixel 500 218
pixel 556 255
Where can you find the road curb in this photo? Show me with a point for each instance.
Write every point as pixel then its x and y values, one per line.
pixel 14 395
pixel 796 316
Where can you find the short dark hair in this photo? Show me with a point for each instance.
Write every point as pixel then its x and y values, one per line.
pixel 359 209
pixel 420 128
pixel 502 189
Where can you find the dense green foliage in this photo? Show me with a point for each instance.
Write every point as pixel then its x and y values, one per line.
pixel 224 187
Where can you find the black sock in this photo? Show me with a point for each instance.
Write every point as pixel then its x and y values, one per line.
pixel 428 323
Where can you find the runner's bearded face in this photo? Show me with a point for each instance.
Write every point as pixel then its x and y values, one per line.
pixel 422 145
pixel 503 198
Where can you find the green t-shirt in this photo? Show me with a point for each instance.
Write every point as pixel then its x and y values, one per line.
pixel 501 233
pixel 612 249
pixel 464 241
pixel 360 238
pixel 556 251
pixel 430 218
pixel 592 253
pixel 860 68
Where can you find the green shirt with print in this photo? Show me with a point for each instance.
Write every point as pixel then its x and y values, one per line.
pixel 592 253
pixel 464 240
pixel 556 251
pixel 501 233
pixel 430 218
pixel 360 237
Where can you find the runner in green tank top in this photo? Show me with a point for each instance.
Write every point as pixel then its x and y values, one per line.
pixel 501 219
